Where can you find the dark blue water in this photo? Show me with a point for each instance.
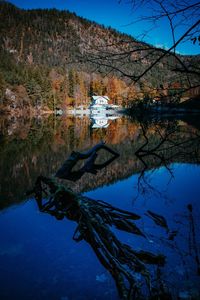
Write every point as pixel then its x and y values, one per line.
pixel 39 259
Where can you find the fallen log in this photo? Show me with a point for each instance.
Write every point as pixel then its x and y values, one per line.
pixel 94 221
pixel 66 172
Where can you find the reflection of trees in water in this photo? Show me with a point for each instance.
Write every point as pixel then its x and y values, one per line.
pixel 155 143
pixel 166 144
pixel 94 220
pixel 138 274
pixel 39 146
pixel 131 269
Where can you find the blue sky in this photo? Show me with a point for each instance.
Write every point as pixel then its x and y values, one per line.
pixel 119 16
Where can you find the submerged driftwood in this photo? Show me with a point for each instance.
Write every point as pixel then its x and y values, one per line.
pixel 66 171
pixel 94 221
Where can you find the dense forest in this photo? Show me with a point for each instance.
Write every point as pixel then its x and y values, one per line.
pixel 45 63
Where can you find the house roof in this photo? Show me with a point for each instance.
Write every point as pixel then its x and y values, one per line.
pixel 100 97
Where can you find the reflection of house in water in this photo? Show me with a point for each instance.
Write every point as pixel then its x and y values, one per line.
pixel 101 111
pixel 99 122
pixel 102 121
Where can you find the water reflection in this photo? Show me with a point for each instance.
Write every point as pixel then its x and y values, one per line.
pixel 39 146
pixel 131 266
pixel 102 121
pixel 89 166
pixel 156 178
pixel 168 226
pixel 95 219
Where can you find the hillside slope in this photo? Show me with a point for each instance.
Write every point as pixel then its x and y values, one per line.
pixel 50 54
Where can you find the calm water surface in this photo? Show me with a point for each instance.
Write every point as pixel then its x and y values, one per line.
pixel 39 259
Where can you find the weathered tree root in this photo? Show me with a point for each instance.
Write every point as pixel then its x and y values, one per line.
pixel 94 220
pixel 66 171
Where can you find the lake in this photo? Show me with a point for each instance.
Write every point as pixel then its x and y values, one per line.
pixel 156 176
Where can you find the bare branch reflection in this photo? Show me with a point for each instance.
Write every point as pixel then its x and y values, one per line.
pixel 168 144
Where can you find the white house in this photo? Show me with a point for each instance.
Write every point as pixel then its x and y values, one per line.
pixel 100 100
pixel 99 105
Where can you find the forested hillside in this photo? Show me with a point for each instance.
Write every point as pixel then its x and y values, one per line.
pixel 45 62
